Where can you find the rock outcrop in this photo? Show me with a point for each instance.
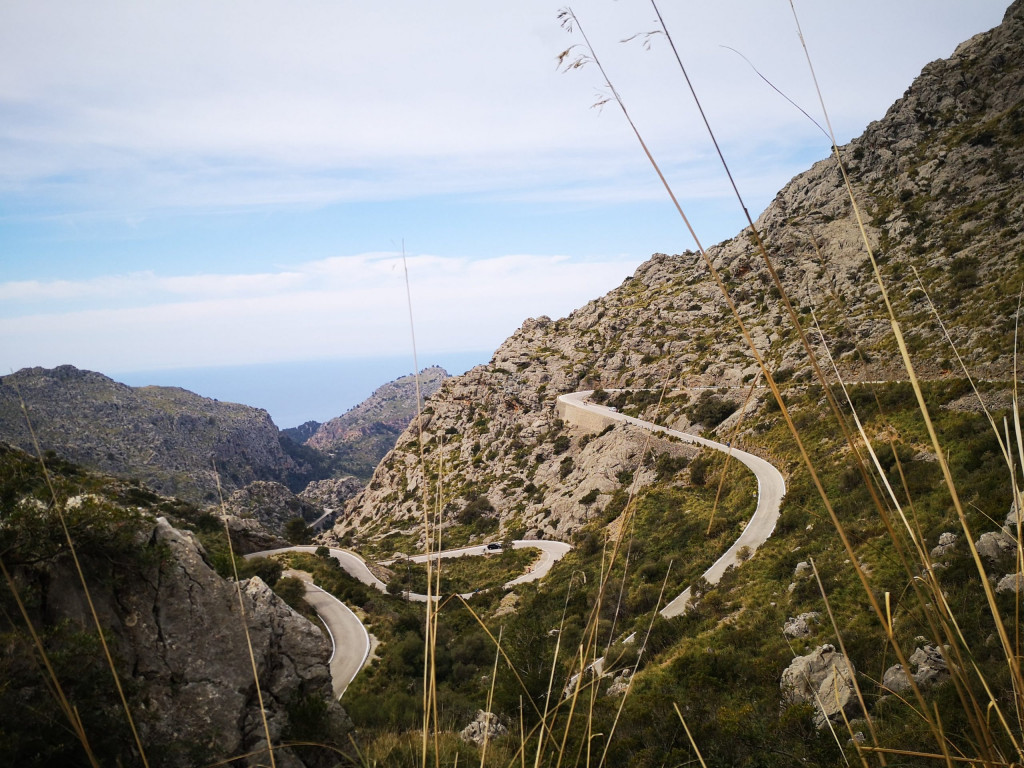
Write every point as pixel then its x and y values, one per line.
pixel 271 504
pixel 331 494
pixel 485 727
pixel 928 668
pixel 824 679
pixel 184 634
pixel 360 438
pixel 800 626
pixel 180 634
pixel 947 542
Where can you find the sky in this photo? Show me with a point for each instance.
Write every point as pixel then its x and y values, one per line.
pixel 192 184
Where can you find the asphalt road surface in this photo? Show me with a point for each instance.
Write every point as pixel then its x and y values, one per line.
pixel 349 639
pixel 350 642
pixel 771 487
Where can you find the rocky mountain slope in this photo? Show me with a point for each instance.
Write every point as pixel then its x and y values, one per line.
pixel 360 438
pixel 168 437
pixel 938 180
pixel 175 627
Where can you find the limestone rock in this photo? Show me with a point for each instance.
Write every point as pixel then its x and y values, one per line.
pixel 179 632
pixel 272 504
pixel 929 669
pixel 620 683
pixel 485 726
pixel 1011 582
pixel 331 494
pixel 801 625
pixel 189 644
pixel 509 604
pixel 249 535
pixel 823 678
pixel 947 541
pixel 895 679
pixel 995 546
pixel 1012 520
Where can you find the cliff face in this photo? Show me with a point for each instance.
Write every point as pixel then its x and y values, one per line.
pixel 360 438
pixel 168 437
pixel 176 630
pixel 938 183
pixel 272 505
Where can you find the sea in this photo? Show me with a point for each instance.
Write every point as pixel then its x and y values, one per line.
pixel 296 392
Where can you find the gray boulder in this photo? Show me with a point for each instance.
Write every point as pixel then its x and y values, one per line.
pixel 947 541
pixel 929 669
pixel 1011 582
pixel 823 678
pixel 930 665
pixel 620 683
pixel 995 546
pixel 484 727
pixel 801 625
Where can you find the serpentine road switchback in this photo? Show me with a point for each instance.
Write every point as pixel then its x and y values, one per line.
pixel 350 639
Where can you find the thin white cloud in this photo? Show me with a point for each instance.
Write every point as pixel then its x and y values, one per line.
pixel 122 105
pixel 344 306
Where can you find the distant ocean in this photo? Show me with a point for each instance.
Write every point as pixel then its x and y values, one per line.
pixel 295 393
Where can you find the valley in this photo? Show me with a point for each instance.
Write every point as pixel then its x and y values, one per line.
pixel 637 536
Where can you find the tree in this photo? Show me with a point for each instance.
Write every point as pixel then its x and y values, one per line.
pixel 297 532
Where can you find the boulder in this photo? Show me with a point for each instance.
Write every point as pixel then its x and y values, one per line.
pixel 620 683
pixel 1011 582
pixel 947 541
pixel 801 625
pixel 995 546
pixel 930 665
pixel 895 679
pixel 484 727
pixel 929 669
pixel 823 678
pixel 1012 520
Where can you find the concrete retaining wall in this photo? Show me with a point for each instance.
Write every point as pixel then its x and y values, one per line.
pixel 576 416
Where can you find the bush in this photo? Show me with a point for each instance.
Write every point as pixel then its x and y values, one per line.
pixel 698 470
pixel 297 532
pixel 293 592
pixel 710 410
pixel 266 568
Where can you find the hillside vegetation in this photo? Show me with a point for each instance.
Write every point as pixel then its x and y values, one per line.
pixel 895 565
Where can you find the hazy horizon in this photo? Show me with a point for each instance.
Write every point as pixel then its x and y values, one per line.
pixel 300 391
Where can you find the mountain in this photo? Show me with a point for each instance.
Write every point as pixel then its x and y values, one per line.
pixel 895 568
pixel 360 438
pixel 938 183
pixel 177 442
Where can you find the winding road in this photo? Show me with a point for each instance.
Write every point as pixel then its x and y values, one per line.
pixel 351 641
pixel 771 486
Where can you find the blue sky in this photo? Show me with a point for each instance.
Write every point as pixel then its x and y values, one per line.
pixel 194 184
